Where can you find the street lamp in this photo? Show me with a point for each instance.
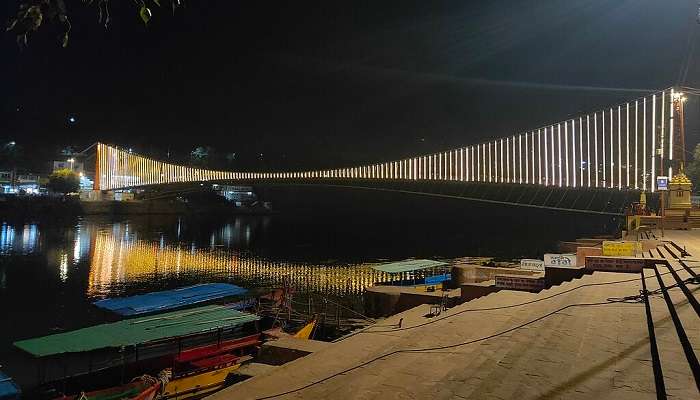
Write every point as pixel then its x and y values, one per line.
pixel 71 160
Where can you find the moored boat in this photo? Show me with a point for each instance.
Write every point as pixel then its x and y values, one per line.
pixel 213 374
pixel 307 331
pixel 143 388
pixel 135 345
pixel 8 388
pixel 154 302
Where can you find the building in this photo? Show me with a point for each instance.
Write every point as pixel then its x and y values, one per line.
pixel 241 195
pixel 28 183
pixel 71 164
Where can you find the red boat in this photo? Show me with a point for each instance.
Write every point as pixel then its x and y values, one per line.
pixel 234 348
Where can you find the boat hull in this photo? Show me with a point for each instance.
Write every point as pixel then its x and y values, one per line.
pixel 198 385
pixel 130 391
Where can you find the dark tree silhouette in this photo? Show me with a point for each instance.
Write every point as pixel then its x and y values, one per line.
pixel 33 14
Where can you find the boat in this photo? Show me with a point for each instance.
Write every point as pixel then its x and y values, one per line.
pixel 139 344
pixel 204 370
pixel 307 331
pixel 210 375
pixel 143 388
pixel 8 388
pixel 169 299
pixel 238 347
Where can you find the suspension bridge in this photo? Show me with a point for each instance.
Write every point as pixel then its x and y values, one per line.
pixel 596 162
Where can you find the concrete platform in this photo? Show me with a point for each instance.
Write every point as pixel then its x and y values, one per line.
pixel 288 348
pixel 382 300
pixel 255 369
pixel 476 351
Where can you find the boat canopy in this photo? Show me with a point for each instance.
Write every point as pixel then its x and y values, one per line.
pixel 169 299
pixel 8 389
pixel 138 331
pixel 408 265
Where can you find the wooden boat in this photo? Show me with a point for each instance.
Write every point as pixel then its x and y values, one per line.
pixel 208 367
pixel 154 302
pixel 307 331
pixel 145 388
pixel 212 375
pixel 239 347
pixel 149 343
pixel 203 370
pixel 8 388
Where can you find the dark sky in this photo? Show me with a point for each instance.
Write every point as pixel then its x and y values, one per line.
pixel 335 83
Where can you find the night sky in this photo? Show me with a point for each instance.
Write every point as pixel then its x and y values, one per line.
pixel 313 84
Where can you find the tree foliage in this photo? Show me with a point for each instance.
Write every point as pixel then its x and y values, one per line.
pixel 692 168
pixel 64 181
pixel 201 156
pixel 11 155
pixel 33 14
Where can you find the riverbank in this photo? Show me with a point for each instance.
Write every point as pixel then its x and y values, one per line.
pixel 574 340
pixel 45 207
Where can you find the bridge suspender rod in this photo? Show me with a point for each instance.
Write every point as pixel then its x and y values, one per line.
pixel 670 134
pixel 566 150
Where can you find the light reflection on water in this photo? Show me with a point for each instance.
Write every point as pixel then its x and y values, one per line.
pixel 21 239
pixel 117 259
pixel 121 254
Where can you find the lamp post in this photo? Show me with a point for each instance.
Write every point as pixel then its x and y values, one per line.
pixel 10 146
pixel 71 160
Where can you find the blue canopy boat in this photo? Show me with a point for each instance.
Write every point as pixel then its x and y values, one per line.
pixel 8 388
pixel 169 299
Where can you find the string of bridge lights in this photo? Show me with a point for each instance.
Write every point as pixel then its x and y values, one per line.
pixel 585 151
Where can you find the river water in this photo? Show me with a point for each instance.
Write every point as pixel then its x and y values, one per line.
pixel 323 243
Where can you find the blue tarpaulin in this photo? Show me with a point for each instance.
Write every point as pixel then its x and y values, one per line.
pixel 169 299
pixel 435 279
pixel 8 389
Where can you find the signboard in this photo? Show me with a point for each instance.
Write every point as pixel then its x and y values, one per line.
pixel 515 282
pixel 662 182
pixel 532 265
pixel 615 264
pixel 621 248
pixel 560 260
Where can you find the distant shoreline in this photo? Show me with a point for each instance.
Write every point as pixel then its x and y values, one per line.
pixel 20 207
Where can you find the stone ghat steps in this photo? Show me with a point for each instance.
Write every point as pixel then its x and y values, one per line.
pixel 676 316
pixel 580 352
pixel 552 357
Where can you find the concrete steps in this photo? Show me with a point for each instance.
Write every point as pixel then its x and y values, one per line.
pixel 676 362
pixel 599 352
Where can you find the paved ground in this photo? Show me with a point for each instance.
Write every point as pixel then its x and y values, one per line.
pixel 581 352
